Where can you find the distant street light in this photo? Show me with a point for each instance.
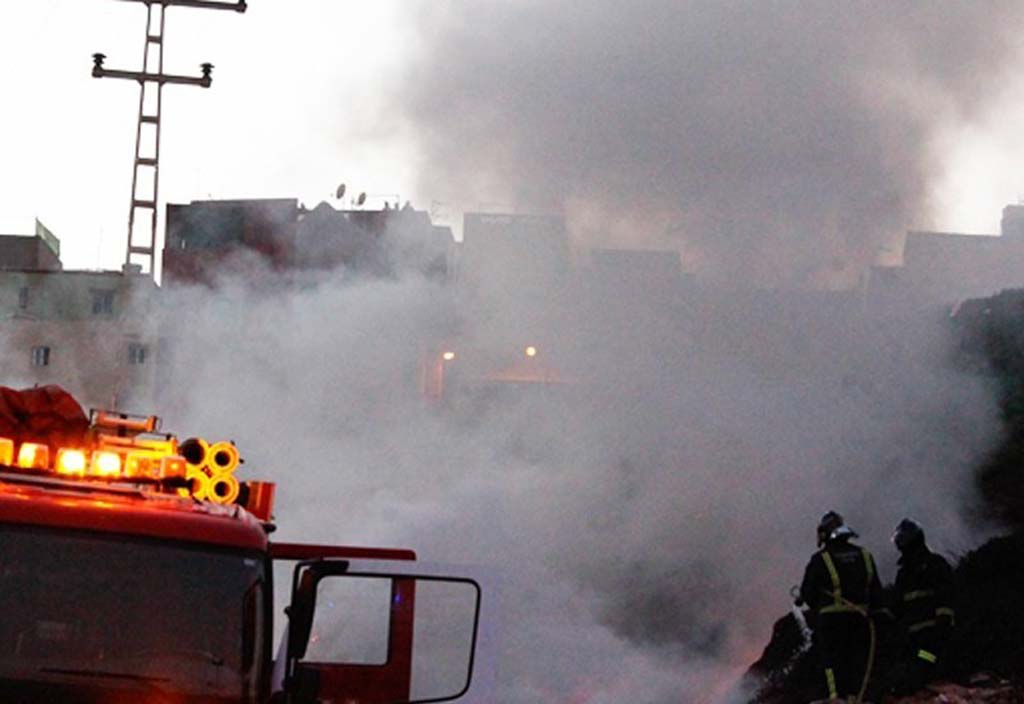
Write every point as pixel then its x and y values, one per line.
pixel 448 356
pixel 531 351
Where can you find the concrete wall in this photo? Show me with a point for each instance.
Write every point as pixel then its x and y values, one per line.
pixel 98 326
pixel 21 252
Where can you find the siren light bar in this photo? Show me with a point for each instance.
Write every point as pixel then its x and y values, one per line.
pixel 141 466
pixel 124 449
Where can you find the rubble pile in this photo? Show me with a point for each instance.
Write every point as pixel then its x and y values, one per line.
pixel 989 638
pixel 989 334
pixel 982 691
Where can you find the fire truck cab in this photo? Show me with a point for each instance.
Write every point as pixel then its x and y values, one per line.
pixel 124 577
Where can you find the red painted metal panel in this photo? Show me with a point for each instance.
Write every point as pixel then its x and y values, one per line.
pixel 131 513
pixel 376 684
pixel 300 551
pixel 365 684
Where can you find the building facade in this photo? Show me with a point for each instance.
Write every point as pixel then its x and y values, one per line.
pixel 250 238
pixel 942 268
pixel 92 332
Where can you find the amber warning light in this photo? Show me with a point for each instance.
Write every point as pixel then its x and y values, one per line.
pixel 128 450
pixel 73 463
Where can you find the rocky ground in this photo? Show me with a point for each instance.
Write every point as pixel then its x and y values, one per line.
pixel 989 691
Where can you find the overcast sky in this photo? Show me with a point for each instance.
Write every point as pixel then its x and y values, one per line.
pixel 289 77
pixel 294 85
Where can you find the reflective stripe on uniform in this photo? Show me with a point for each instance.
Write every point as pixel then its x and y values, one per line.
pixel 918 594
pixel 869 566
pixel 837 594
pixel 830 678
pixel 921 625
pixel 927 656
pixel 843 608
pixel 946 611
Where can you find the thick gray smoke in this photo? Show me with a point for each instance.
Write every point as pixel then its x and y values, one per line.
pixel 782 142
pixel 647 521
pixel 649 517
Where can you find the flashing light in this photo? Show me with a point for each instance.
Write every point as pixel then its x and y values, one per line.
pixel 106 464
pixel 173 467
pixel 141 465
pixel 33 455
pixel 531 351
pixel 448 356
pixel 70 462
pixel 147 461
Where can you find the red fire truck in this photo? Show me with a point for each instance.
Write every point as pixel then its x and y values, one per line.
pixel 137 568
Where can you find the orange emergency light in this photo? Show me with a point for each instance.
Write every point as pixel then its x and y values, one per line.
pixel 118 450
pixel 71 463
pixel 106 464
pixel 33 455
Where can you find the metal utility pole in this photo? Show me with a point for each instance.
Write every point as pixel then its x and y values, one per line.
pixel 147 152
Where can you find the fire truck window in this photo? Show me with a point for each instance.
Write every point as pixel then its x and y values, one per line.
pixel 168 614
pixel 351 622
pixel 444 638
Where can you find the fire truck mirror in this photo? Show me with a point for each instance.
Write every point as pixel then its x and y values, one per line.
pixel 400 638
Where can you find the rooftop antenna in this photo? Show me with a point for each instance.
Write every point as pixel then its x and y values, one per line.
pixel 148 160
pixel 396 196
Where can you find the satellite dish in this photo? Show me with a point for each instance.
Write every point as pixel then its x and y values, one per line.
pixel 340 192
pixel 361 199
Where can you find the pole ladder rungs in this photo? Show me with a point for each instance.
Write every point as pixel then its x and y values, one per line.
pixel 152 78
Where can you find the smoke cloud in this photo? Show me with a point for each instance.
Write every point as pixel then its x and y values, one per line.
pixel 646 522
pixel 780 143
pixel 648 518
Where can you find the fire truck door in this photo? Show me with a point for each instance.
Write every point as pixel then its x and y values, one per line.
pixel 352 626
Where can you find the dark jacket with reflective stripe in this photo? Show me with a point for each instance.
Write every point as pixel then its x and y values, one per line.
pixel 923 592
pixel 851 583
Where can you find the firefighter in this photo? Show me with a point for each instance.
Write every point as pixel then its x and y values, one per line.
pixel 842 588
pixel 923 607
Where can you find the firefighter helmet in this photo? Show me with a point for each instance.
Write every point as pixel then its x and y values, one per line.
pixel 833 527
pixel 908 535
pixel 827 525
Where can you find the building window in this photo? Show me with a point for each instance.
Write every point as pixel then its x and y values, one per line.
pixel 41 356
pixel 102 302
pixel 137 353
pixel 23 297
